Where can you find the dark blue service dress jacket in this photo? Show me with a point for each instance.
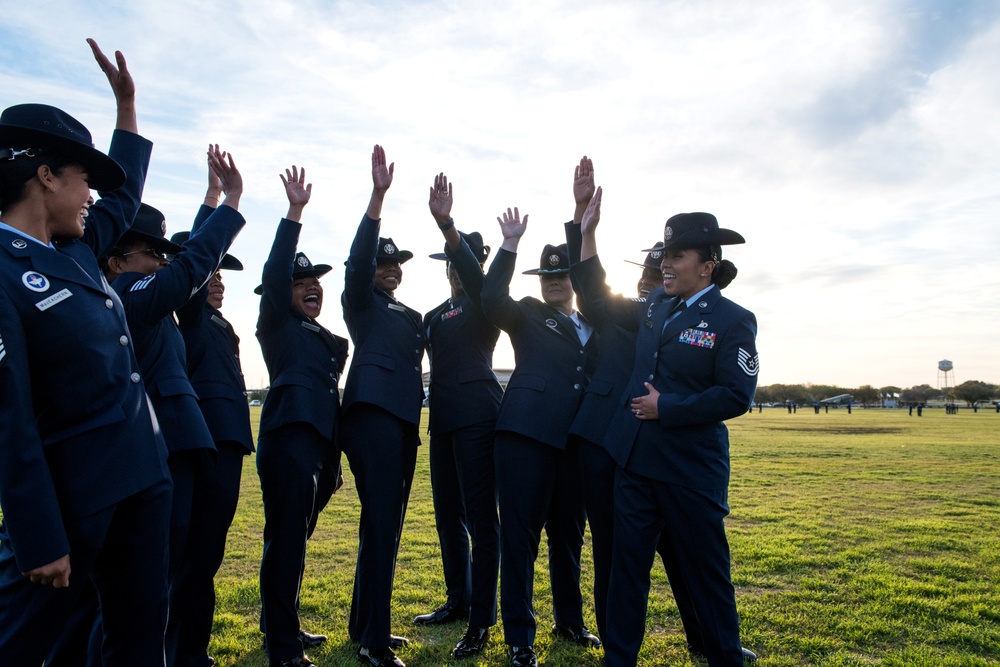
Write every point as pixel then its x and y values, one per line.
pixel 389 337
pixel 463 389
pixel 150 302
pixel 551 364
pixel 76 432
pixel 304 359
pixel 704 364
pixel 213 364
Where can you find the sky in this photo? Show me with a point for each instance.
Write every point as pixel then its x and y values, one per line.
pixel 854 144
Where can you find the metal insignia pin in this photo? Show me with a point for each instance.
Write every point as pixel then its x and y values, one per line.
pixel 553 260
pixel 703 304
pixel 303 261
pixel 20 244
pixel 703 324
pixel 389 248
pixel 550 323
pixel 667 233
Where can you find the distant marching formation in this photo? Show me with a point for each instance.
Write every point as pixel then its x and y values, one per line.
pixel 125 419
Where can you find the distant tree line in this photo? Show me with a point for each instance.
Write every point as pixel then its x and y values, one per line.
pixel 973 391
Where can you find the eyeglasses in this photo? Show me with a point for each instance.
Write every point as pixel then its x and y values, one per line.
pixel 148 251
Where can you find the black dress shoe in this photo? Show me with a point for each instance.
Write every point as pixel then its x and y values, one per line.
pixel 301 661
pixel 748 655
pixel 379 657
pixel 398 642
pixel 578 634
pixel 309 640
pixel 523 656
pixel 471 643
pixel 446 613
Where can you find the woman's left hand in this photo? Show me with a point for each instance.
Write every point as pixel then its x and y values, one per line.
pixel 644 407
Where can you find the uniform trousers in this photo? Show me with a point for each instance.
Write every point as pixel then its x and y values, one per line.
pixel 121 549
pixel 290 461
pixel 216 493
pixel 463 481
pixel 692 521
pixel 539 487
pixel 382 451
pixel 598 471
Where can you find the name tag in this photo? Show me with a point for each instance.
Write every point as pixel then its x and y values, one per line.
pixel 397 307
pixel 697 338
pixel 61 295
pixel 221 322
pixel 311 327
pixel 451 313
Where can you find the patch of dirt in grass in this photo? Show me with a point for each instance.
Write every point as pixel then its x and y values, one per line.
pixel 842 430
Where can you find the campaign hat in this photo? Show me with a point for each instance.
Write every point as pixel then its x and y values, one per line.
pixel 302 268
pixel 696 230
pixel 45 128
pixel 150 226
pixel 475 242
pixel 229 263
pixel 555 259
pixel 653 257
pixel 388 251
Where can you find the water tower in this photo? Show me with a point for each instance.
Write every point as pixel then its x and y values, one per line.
pixel 946 375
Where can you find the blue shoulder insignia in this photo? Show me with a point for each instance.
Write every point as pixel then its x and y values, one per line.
pixel 3 352
pixel 142 284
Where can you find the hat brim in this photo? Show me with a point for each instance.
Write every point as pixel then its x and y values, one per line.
pixel 439 255
pixel 103 173
pixel 696 240
pixel 544 272
pixel 155 242
pixel 316 271
pixel 643 264
pixel 402 256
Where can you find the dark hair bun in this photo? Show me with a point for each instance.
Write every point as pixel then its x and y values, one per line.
pixel 724 273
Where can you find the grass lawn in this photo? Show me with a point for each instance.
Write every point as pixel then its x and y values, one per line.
pixel 864 539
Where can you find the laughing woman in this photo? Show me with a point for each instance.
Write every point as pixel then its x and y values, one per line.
pixel 695 366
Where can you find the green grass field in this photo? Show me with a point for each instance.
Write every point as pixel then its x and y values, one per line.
pixel 863 539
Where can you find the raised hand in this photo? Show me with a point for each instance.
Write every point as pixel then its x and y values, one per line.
pixel 214 190
pixel 583 180
pixel 229 176
pixel 511 225
pixel 122 85
pixel 381 175
pixel 592 216
pixel 297 191
pixel 441 199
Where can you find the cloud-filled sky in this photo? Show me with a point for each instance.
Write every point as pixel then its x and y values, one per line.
pixel 853 143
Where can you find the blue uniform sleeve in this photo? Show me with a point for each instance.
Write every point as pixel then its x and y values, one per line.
pixel 31 513
pixel 277 274
pixel 733 384
pixel 500 308
pixel 470 272
pixel 597 303
pixel 113 213
pixel 359 277
pixel 151 298
pixel 191 312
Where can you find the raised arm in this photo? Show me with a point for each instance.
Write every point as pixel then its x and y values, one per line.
pixel 359 276
pixel 381 180
pixel 588 227
pixel 503 311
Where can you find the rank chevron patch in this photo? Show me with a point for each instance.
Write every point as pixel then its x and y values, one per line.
pixel 750 365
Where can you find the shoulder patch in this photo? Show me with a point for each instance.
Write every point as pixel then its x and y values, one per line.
pixel 749 364
pixel 142 284
pixel 3 351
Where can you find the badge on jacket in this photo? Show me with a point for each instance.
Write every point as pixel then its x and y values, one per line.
pixel 451 313
pixel 697 338
pixel 3 352
pixel 749 364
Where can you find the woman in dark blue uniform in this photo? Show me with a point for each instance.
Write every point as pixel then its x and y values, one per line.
pixel 297 454
pixel 538 477
pixel 382 401
pixel 84 486
pixel 464 403
pixel 695 366
pixel 213 365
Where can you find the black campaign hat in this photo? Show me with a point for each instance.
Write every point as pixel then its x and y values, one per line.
pixel 388 251
pixel 229 263
pixel 302 268
pixel 475 241
pixel 555 259
pixel 40 126
pixel 150 226
pixel 696 230
pixel 652 261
